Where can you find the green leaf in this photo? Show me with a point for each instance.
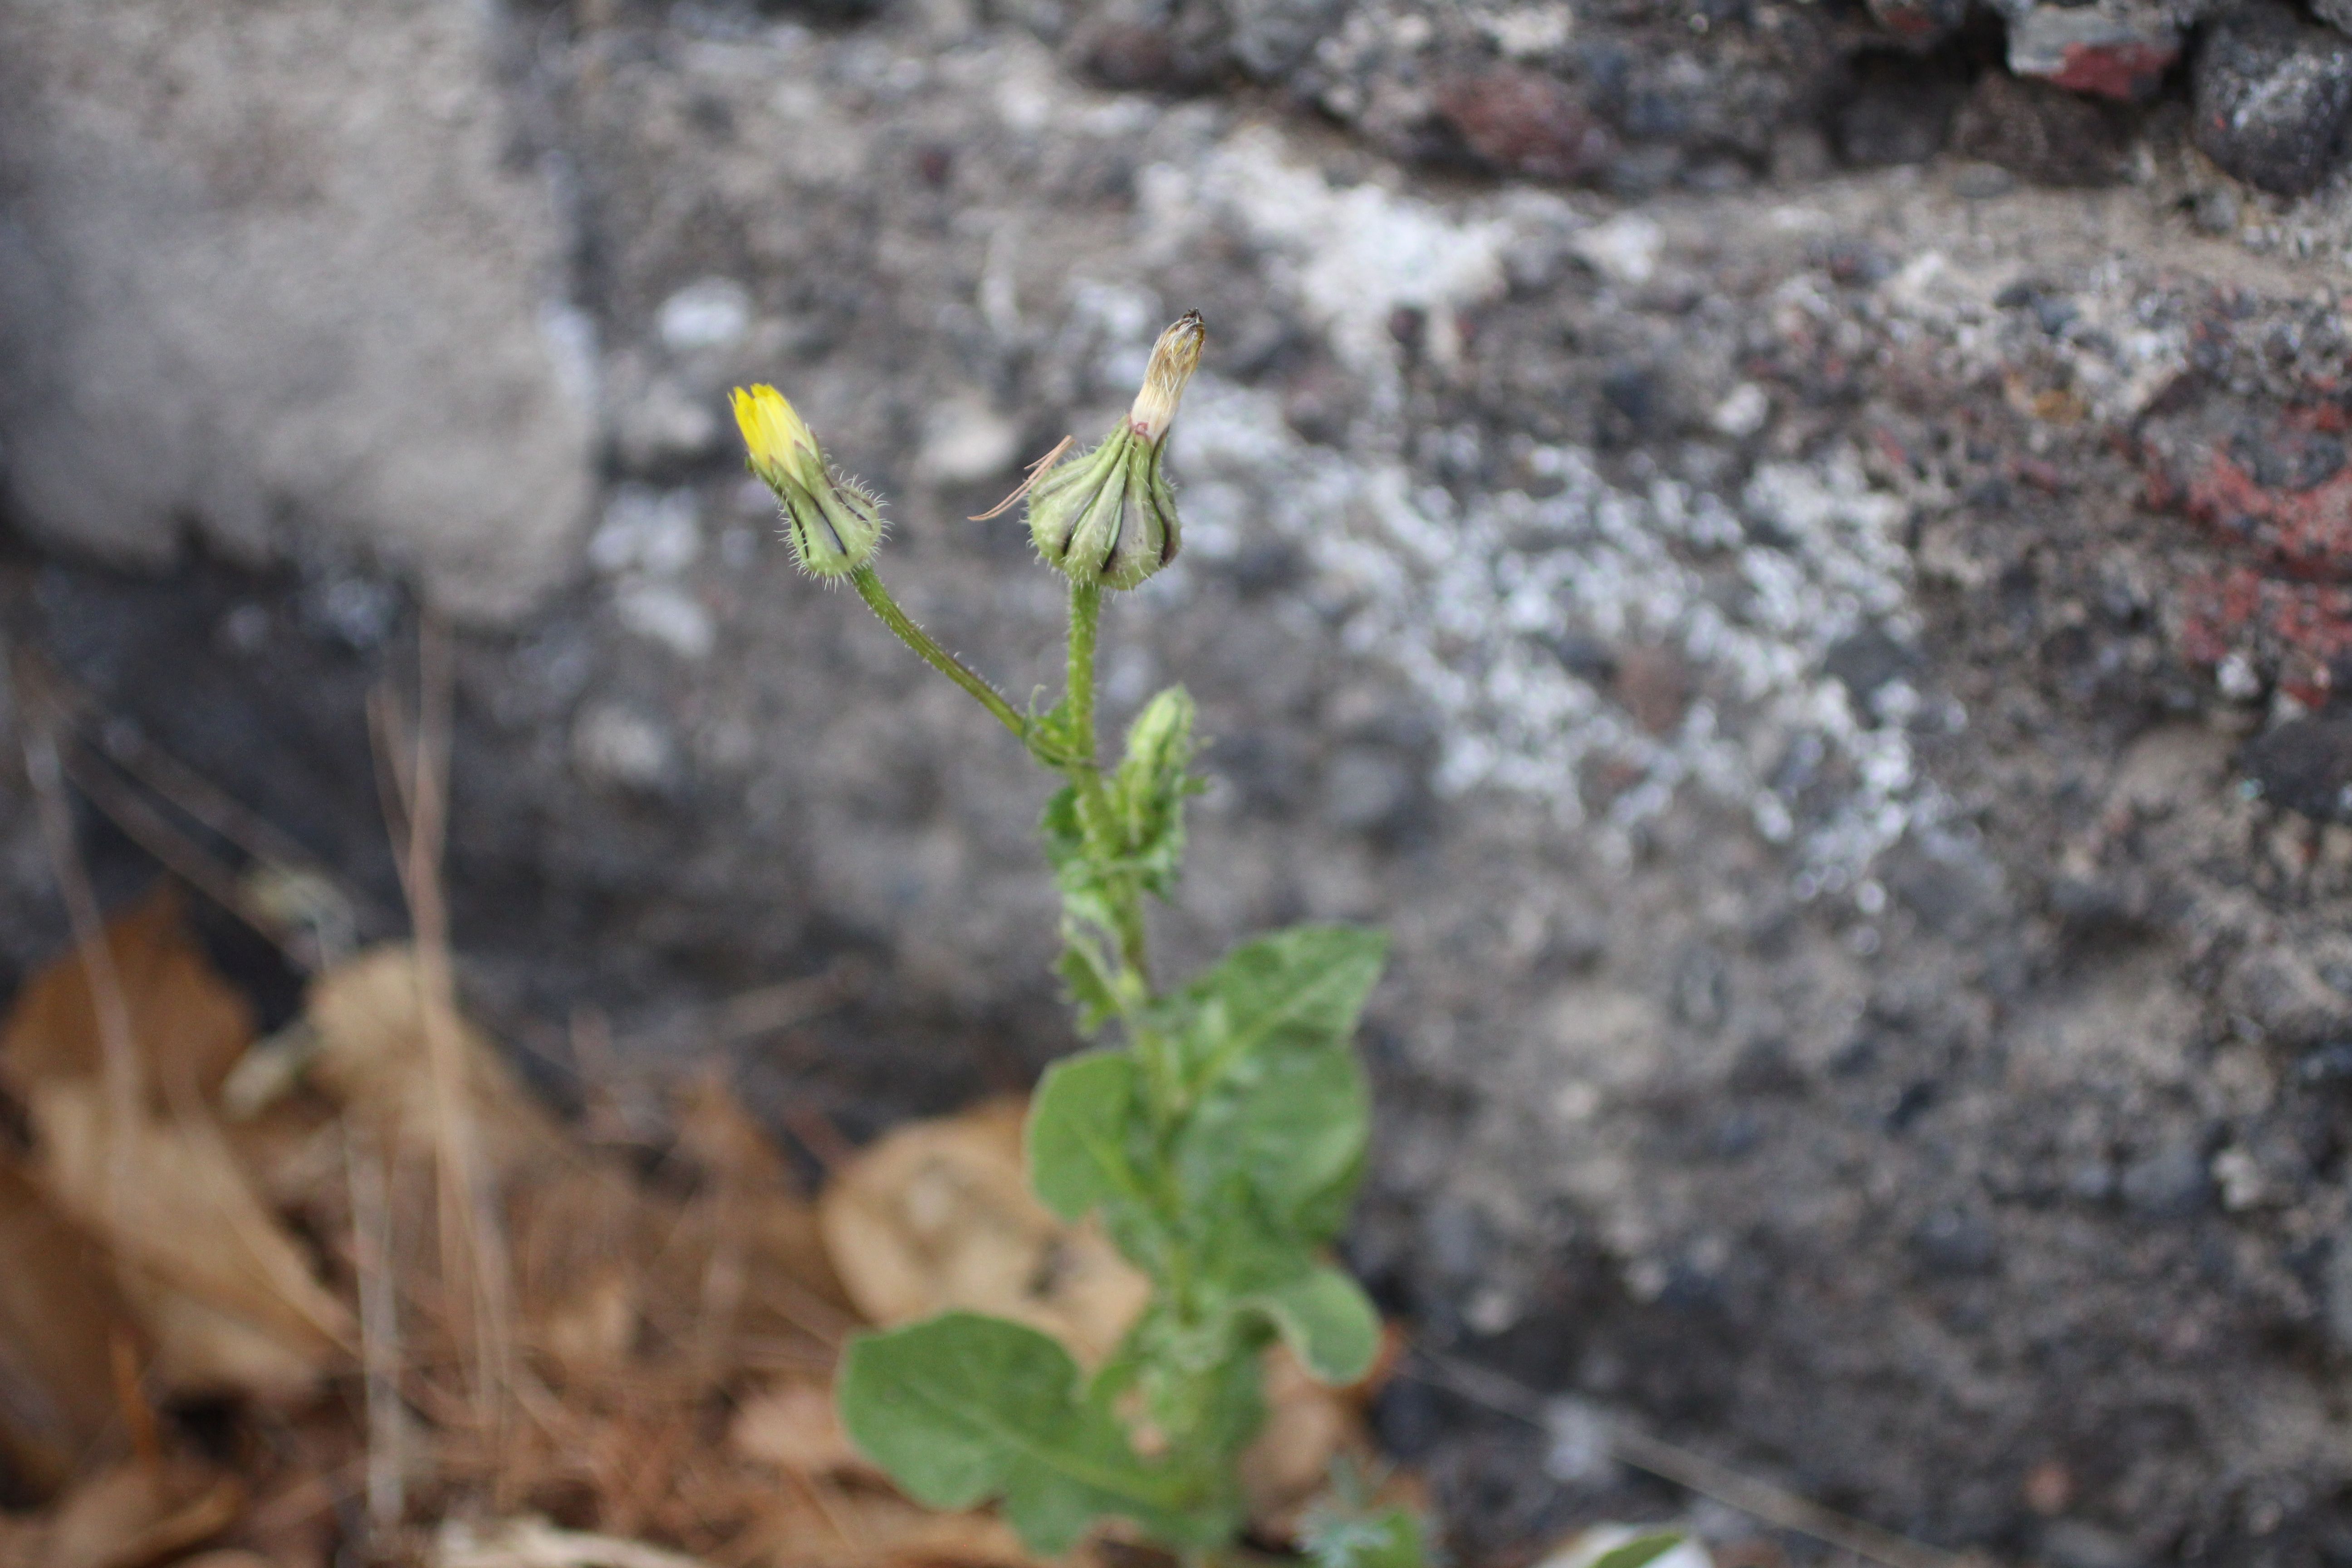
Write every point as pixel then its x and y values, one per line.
pixel 1150 786
pixel 1079 1123
pixel 1303 986
pixel 962 1408
pixel 1639 1551
pixel 1291 1125
pixel 1326 1319
pixel 1085 976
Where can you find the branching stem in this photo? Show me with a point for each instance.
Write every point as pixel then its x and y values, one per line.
pixel 885 609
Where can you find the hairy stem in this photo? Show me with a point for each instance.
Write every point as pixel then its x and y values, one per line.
pixel 1095 817
pixel 885 609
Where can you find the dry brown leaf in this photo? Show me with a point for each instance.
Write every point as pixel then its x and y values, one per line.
pixel 60 1317
pixel 1307 1427
pixel 136 1514
pixel 189 1024
pixel 939 1215
pixel 220 1286
pixel 229 1559
pixel 368 1013
pixel 797 1427
pixel 737 1157
pixel 823 1526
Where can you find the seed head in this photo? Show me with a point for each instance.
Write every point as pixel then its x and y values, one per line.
pixel 1173 359
pixel 1108 516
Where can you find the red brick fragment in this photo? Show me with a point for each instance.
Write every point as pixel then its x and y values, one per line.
pixel 2299 629
pixel 2308 533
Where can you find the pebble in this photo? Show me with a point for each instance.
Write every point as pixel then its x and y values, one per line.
pixel 1578 1433
pixel 647 530
pixel 666 613
pixel 708 313
pixel 2042 132
pixel 1956 1242
pixel 2116 50
pixel 1742 413
pixel 965 441
pixel 613 744
pixel 1625 249
pixel 2305 765
pixel 663 426
pixel 1981 182
pixel 2171 1184
pixel 2270 98
pixel 1273 38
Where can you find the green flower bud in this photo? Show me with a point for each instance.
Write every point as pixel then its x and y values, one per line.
pixel 834 524
pixel 1109 515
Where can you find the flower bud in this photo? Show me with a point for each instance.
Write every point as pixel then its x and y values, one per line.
pixel 1110 516
pixel 835 525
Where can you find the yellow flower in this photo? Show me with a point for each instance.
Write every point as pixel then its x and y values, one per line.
pixel 779 439
pixel 833 524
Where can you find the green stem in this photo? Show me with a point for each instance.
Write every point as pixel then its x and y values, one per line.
pixel 885 609
pixel 1094 805
pixel 1086 621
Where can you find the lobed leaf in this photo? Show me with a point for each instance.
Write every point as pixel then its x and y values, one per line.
pixel 961 1408
pixel 1280 1105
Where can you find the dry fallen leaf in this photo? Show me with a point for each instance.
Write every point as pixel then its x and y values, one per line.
pixel 1307 1427
pixel 60 1316
pixel 939 1215
pixel 188 1024
pixel 795 1427
pixel 224 1290
pixel 220 1286
pixel 368 1016
pixel 139 1513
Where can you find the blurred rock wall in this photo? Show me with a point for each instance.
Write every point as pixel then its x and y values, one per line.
pixel 1797 555
pixel 286 277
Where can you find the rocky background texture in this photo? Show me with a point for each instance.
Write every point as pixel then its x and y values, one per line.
pixel 1798 553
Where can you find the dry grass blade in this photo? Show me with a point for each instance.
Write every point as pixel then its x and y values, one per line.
pixel 1036 471
pixel 372 1255
pixel 118 1052
pixel 475 1263
pixel 288 897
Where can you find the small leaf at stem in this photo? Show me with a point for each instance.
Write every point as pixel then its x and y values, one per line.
pixel 1086 973
pixel 1325 1319
pixel 1079 1122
